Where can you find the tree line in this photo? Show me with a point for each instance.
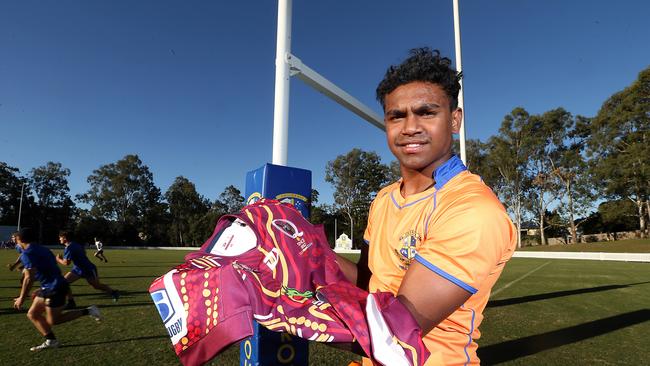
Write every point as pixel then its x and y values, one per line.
pixel 125 206
pixel 561 173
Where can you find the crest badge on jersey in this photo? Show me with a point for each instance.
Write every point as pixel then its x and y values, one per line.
pixel 407 248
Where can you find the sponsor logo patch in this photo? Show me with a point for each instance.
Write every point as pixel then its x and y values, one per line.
pixel 164 306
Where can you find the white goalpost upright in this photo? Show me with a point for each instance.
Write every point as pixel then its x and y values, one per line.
pixel 281 107
pixel 459 68
pixel 287 65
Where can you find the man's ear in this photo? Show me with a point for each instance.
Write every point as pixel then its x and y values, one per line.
pixel 456 120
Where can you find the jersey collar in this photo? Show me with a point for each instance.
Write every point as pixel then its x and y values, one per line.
pixel 447 171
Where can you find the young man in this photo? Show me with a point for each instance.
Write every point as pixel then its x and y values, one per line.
pixel 438 238
pixel 40 264
pixel 81 268
pixel 17 264
pixel 100 251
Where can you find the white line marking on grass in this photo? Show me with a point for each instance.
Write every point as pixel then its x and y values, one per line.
pixel 519 279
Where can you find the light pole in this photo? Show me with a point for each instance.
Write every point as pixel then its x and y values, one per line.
pixel 20 208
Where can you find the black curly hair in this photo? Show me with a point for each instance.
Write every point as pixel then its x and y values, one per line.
pixel 425 65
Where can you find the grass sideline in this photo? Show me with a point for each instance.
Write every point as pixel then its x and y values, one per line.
pixel 565 312
pixel 621 246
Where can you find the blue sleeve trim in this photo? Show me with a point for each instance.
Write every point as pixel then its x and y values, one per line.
pixel 445 275
pixel 469 335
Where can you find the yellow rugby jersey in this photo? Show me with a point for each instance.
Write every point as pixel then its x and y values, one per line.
pixel 459 230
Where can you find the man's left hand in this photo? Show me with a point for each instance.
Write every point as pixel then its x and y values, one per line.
pixel 18 303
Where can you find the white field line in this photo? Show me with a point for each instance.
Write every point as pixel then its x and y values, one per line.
pixel 519 279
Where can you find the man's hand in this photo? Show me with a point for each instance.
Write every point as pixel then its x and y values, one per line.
pixel 18 302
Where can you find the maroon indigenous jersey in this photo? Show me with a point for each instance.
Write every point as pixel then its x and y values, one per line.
pixel 268 264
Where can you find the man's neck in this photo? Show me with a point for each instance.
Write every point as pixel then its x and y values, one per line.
pixel 414 184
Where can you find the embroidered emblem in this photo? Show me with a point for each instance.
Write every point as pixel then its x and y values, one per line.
pixel 407 249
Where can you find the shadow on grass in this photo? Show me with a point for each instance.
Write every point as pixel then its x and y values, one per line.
pixel 152 277
pixel 9 311
pixel 552 295
pixel 115 341
pixel 123 294
pixel 127 305
pixel 526 346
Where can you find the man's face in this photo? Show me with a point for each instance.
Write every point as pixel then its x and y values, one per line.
pixel 419 126
pixel 62 240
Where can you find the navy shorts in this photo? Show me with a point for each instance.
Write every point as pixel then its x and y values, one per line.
pixel 88 274
pixel 54 297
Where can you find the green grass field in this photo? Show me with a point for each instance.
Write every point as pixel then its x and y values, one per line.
pixel 543 312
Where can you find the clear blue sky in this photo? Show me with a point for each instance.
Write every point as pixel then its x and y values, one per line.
pixel 188 86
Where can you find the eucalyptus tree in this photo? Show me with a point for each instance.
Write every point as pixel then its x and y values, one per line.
pixel 186 206
pixel 620 147
pixel 11 187
pixel 571 169
pixel 53 204
pixel 124 193
pixel 357 177
pixel 505 163
pixel 545 143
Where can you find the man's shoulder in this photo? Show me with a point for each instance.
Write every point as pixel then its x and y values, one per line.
pixel 468 184
pixel 385 192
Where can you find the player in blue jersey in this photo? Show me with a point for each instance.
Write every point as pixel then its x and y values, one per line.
pixel 17 264
pixel 47 305
pixel 82 267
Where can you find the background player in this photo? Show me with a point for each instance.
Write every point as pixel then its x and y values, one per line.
pixel 100 251
pixel 82 267
pixel 17 264
pixel 40 264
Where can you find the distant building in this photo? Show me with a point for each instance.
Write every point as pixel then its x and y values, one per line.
pixel 343 243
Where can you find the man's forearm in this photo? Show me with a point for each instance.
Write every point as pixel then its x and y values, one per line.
pixel 348 268
pixel 27 284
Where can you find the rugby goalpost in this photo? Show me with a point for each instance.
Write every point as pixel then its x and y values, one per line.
pixel 288 65
pixel 265 348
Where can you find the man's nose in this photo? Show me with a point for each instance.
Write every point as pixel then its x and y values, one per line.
pixel 411 124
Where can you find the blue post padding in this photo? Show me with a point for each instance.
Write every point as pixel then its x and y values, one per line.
pixel 292 185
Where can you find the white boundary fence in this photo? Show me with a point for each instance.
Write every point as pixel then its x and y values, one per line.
pixel 597 256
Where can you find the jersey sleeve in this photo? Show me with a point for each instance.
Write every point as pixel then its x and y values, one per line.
pixel 466 243
pixel 27 263
pixel 67 253
pixel 368 231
